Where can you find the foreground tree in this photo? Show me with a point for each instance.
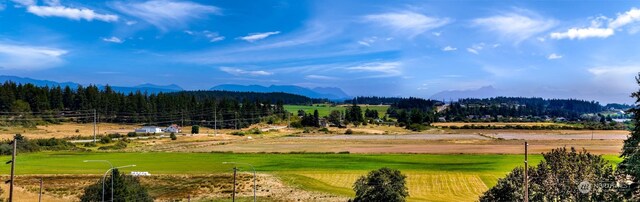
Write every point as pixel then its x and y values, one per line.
pixel 126 188
pixel 384 184
pixel 557 178
pixel 629 168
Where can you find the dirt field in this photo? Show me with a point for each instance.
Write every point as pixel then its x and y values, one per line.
pixel 163 188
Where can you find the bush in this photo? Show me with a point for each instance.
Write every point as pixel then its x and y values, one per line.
pixel 306 130
pixel 325 130
pixel 384 184
pixel 114 135
pixel 125 187
pixel 296 124
pixel 416 127
pixel 195 129
pixel 348 132
pixel 105 140
pixel 117 146
pixel 237 133
pixel 132 134
pixel 90 144
pixel 173 136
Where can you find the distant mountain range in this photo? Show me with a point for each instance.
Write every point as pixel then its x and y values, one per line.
pixel 454 95
pixel 320 92
pixel 149 88
pixel 331 93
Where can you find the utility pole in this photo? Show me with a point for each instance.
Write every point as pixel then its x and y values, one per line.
pixel 94 125
pixel 13 166
pixel 215 119
pixel 233 195
pixel 526 177
pixel 40 193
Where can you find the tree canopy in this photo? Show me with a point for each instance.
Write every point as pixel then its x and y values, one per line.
pixel 384 184
pixel 125 188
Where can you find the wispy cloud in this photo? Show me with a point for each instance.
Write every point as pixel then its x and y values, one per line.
pixel 554 56
pixel 240 72
pixel 389 69
pixel 113 39
pixel 211 36
pixel 320 77
pixel 516 26
pixel 258 36
pixel 449 48
pixel 476 48
pixel 70 13
pixel 166 14
pixel 408 22
pixel 26 57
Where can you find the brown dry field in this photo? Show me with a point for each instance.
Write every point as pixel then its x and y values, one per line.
pixel 496 123
pixel 163 188
pixel 367 139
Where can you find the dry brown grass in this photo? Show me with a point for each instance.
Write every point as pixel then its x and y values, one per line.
pixel 164 188
pixel 460 124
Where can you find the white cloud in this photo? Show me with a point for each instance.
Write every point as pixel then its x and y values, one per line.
pixel 476 48
pixel 449 48
pixel 113 39
pixel 583 33
pixel 619 70
pixel 388 68
pixel 554 56
pixel 407 22
pixel 597 28
pixel 320 77
pixel 239 72
pixel 71 13
pixel 52 2
pixel 166 14
pixel 474 51
pixel 24 57
pixel 623 19
pixel 516 26
pixel 258 36
pixel 436 33
pixel 131 22
pixel 25 2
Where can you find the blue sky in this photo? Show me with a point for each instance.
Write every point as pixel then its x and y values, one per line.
pixel 558 49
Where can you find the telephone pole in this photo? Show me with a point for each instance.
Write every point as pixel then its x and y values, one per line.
pixel 94 125
pixel 233 195
pixel 526 177
pixel 40 193
pixel 215 119
pixel 13 166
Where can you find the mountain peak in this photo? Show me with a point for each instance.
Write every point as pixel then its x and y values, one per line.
pixel 331 93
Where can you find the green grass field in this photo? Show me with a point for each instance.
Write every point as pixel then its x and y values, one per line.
pixel 324 110
pixel 430 177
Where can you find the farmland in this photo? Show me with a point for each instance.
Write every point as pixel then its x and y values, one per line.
pixel 325 109
pixel 430 177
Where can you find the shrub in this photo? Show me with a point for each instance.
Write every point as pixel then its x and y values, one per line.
pixel 132 134
pixel 195 129
pixel 348 132
pixel 296 124
pixel 114 135
pixel 325 130
pixel 77 130
pixel 90 144
pixel 105 140
pixel 384 184
pixel 237 133
pixel 173 136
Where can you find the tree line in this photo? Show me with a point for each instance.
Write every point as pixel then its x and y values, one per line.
pixel 29 103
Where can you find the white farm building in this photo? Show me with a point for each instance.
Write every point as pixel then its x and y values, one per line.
pixel 148 129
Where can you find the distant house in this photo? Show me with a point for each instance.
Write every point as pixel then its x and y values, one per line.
pixel 149 129
pixel 173 129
